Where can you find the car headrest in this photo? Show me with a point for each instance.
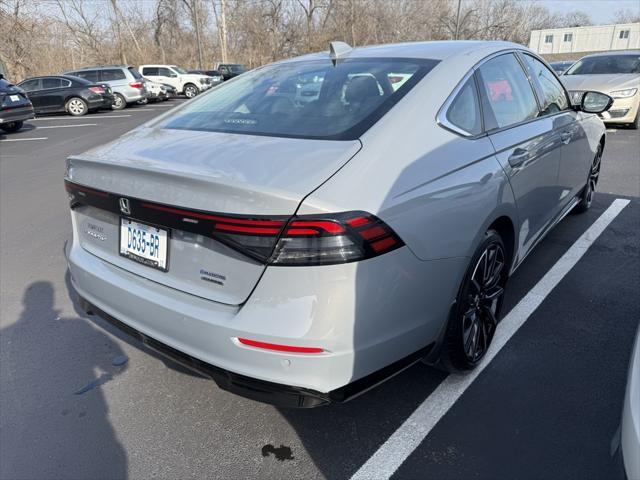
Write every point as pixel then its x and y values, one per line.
pixel 361 88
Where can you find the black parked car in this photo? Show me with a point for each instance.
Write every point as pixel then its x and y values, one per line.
pixel 172 92
pixel 15 107
pixel 216 76
pixel 66 93
pixel 230 70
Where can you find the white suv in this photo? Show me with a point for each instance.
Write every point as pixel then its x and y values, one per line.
pixel 188 83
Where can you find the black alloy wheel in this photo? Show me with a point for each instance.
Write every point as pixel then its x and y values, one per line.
pixel 477 310
pixel 586 197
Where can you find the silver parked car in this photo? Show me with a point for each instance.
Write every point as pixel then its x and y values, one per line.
pixel 301 253
pixel 127 84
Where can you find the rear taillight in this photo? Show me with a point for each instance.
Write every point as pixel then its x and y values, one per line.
pixel 97 89
pixel 136 84
pixel 312 240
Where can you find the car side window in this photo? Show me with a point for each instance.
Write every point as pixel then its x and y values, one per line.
pixel 153 71
pixel 113 74
pixel 91 75
pixel 553 96
pixel 164 72
pixel 507 94
pixel 51 83
pixel 464 111
pixel 30 85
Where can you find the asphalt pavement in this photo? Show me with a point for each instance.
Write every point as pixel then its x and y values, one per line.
pixel 80 400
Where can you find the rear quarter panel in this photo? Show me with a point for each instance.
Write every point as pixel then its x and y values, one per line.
pixel 437 190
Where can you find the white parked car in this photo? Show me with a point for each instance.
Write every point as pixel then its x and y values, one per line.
pixel 156 91
pixel 187 83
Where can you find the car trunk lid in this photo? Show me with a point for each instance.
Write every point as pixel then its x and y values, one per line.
pixel 191 171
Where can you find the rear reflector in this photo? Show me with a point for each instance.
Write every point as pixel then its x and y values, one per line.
pixel 275 240
pixel 279 348
pixel 97 89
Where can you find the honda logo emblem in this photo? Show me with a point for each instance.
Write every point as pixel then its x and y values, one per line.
pixel 124 206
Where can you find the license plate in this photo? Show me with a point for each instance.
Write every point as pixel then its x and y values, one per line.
pixel 14 98
pixel 144 243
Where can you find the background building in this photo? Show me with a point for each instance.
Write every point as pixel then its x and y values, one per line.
pixel 575 42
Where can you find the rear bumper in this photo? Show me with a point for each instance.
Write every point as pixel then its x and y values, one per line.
pixel 261 390
pixel 17 114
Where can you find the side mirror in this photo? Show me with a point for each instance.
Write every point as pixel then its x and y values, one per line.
pixel 172 75
pixel 595 102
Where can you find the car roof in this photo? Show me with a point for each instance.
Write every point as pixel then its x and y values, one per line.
pixel 435 50
pixel 613 52
pixel 98 67
pixel 65 76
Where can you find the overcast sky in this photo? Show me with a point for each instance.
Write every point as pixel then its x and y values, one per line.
pixel 601 11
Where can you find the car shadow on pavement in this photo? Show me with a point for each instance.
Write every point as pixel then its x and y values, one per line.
pixel 104 325
pixel 54 416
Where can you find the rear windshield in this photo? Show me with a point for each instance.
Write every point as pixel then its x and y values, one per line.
pixel 310 99
pixel 606 64
pixel 135 73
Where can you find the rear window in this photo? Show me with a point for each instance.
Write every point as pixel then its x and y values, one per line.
pixel 312 99
pixel 606 64
pixel 135 73
pixel 113 74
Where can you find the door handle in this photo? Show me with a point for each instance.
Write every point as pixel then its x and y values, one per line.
pixel 518 157
pixel 565 137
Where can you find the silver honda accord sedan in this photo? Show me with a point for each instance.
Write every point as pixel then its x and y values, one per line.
pixel 314 226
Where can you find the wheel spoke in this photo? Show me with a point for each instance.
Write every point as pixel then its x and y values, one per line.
pixel 493 293
pixel 491 317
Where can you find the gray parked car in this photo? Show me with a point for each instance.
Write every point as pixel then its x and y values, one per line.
pixel 127 84
pixel 300 253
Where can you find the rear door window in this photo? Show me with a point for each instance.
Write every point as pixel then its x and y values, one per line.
pixel 507 93
pixel 113 74
pixel 151 71
pixel 51 83
pixel 552 94
pixel 91 75
pixel 464 111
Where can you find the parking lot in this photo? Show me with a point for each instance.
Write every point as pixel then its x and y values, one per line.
pixel 81 400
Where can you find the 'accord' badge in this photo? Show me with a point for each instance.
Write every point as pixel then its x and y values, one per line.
pixel 124 206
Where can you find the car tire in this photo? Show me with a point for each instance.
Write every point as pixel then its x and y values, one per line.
pixel 475 315
pixel 636 123
pixel 143 101
pixel 119 102
pixel 76 107
pixel 190 90
pixel 586 196
pixel 12 127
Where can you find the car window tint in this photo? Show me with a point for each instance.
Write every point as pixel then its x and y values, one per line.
pixel 65 83
pixel 30 85
pixel 507 91
pixel 553 98
pixel 164 72
pixel 51 83
pixel 464 111
pixel 113 74
pixel 91 75
pixel 304 99
pixel 135 73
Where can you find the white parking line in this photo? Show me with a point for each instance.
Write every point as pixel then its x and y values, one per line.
pixel 69 126
pixel 45 119
pixel 23 139
pixel 386 460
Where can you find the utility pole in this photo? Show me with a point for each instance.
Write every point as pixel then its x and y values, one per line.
pixel 223 27
pixel 198 40
pixel 458 21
